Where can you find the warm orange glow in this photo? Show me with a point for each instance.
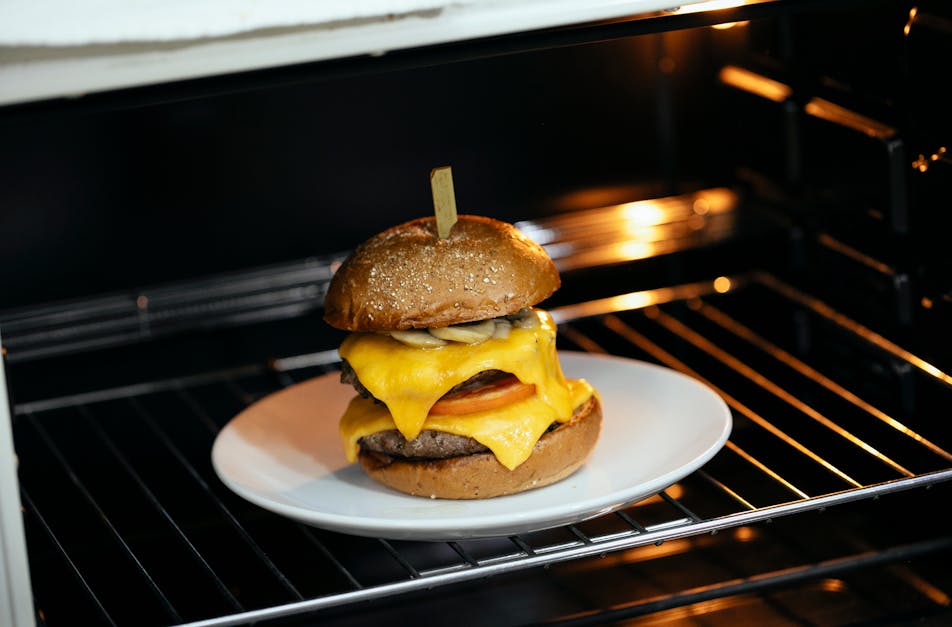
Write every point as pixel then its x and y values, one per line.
pixel 634 300
pixel 831 112
pixel 722 285
pixel 636 250
pixel 745 534
pixel 639 300
pixel 833 585
pixel 912 18
pixel 923 162
pixel 715 200
pixel 757 84
pixel 926 302
pixel 628 231
pixel 675 492
pixel 925 588
pixel 642 213
pixel 728 25
pixel 639 554
pixel 848 251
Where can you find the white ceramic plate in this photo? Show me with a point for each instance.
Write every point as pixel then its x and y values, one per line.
pixel 284 454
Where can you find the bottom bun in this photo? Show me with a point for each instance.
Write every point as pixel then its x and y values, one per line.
pixel 556 455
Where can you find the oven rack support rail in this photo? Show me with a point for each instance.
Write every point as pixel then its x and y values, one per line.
pixel 525 557
pixel 579 324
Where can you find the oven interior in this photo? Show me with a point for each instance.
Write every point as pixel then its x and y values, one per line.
pixel 752 196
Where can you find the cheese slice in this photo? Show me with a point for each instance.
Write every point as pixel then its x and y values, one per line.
pixel 509 432
pixel 410 380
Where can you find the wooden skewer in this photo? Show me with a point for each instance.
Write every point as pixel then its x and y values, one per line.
pixel 444 199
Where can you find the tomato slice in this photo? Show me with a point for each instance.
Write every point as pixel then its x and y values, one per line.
pixel 499 393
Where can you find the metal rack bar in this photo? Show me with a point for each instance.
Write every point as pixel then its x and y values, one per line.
pixel 757 583
pixel 31 508
pixel 576 552
pixel 91 500
pixel 820 308
pixel 285 380
pixel 463 553
pixel 229 516
pixel 766 470
pixel 578 533
pixel 196 408
pixel 680 329
pixel 615 324
pixel 320 546
pixel 523 546
pixel 136 389
pixel 631 522
pixel 686 523
pixel 678 505
pixel 734 496
pixel 722 319
pixel 162 511
pixel 413 572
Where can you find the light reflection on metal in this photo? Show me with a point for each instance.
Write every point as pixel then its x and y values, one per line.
pixel 680 329
pixel 912 18
pixel 729 25
pixel 746 534
pixel 637 555
pixel 635 230
pixel 618 326
pixel 848 251
pixel 753 461
pixel 831 112
pixel 753 83
pixel 640 214
pixel 642 299
pixel 833 585
pixel 819 307
pixel 718 317
pixel 710 5
pixel 923 586
pixel 675 492
pixel 724 487
pixel 722 285
pixel 923 162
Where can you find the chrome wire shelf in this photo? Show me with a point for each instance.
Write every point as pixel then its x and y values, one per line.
pixel 133 462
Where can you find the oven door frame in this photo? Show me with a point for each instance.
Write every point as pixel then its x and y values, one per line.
pixel 16 594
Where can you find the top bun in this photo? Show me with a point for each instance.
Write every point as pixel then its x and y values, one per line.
pixel 408 278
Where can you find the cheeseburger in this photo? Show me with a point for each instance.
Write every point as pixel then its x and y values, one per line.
pixel 460 393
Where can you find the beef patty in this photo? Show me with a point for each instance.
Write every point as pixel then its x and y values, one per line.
pixel 429 444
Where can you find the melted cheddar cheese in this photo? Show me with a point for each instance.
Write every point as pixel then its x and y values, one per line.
pixel 408 381
pixel 510 432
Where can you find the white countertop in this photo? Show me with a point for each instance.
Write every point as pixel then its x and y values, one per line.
pixel 68 48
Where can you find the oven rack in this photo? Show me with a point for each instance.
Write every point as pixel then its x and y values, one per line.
pixel 127 546
pixel 581 239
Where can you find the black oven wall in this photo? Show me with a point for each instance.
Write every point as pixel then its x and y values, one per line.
pixel 104 198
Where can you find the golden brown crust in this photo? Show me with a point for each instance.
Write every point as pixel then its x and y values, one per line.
pixel 556 455
pixel 406 277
